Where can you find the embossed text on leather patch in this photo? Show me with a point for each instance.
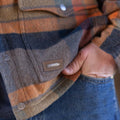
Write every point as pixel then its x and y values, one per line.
pixel 53 65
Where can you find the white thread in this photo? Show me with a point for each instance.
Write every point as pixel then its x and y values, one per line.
pixel 53 65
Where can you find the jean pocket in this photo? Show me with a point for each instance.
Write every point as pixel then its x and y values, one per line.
pixel 96 80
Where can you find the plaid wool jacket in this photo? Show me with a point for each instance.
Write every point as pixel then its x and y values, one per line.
pixel 39 38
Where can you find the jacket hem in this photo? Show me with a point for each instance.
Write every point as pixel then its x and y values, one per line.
pixel 37 106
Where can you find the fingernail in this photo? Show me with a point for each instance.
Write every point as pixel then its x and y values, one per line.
pixel 68 70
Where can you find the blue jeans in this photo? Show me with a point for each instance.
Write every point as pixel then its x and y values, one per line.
pixel 88 99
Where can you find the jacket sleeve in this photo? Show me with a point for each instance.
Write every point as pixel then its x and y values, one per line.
pixel 109 40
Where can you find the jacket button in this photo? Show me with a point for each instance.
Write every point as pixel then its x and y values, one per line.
pixel 63 7
pixel 21 106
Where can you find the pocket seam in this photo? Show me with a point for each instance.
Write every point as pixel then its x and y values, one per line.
pixel 96 80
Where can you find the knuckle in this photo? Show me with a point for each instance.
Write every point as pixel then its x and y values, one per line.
pixel 74 66
pixel 71 66
pixel 82 54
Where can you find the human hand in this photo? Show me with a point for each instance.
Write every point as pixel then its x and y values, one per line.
pixel 93 62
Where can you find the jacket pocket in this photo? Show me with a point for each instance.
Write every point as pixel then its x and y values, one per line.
pixel 58 8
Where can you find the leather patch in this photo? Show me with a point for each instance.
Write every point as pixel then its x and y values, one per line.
pixel 53 65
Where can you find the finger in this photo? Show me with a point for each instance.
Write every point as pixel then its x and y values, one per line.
pixel 76 64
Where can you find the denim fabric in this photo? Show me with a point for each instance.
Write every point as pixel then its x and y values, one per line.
pixel 88 99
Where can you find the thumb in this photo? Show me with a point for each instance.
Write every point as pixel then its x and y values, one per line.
pixel 76 64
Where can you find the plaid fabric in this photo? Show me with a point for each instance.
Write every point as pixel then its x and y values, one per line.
pixel 38 40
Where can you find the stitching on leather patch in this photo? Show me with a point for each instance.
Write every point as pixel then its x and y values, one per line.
pixel 53 65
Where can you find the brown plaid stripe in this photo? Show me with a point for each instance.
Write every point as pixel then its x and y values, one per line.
pixel 36 32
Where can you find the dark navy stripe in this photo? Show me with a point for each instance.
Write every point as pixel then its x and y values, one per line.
pixel 38 17
pixel 112 44
pixel 43 17
pixel 40 40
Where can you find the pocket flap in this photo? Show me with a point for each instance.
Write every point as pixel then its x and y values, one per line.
pixel 63 9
